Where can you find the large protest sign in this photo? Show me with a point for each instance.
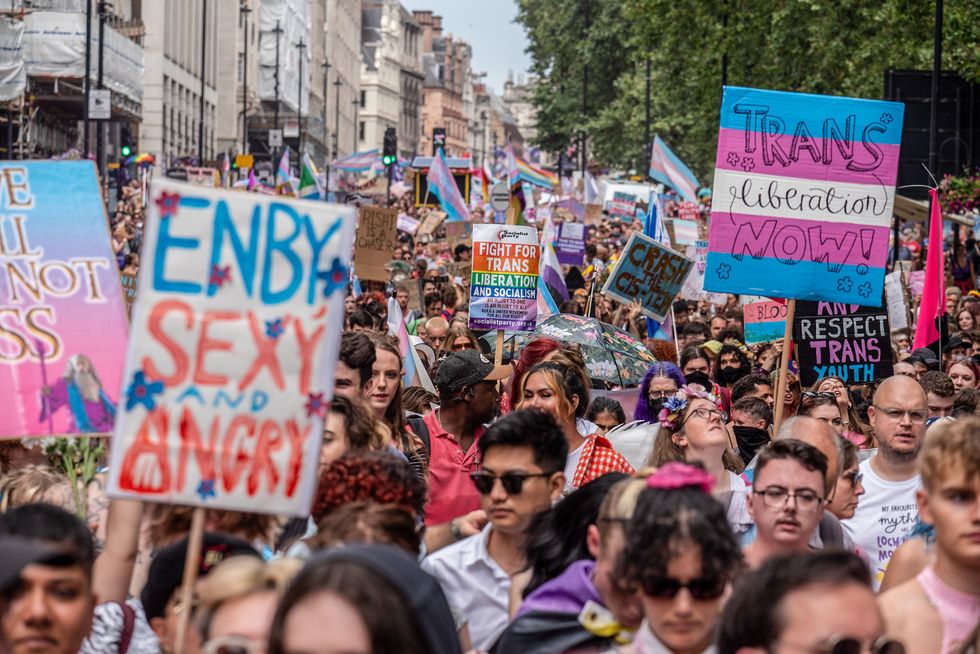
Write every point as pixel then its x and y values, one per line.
pixel 570 244
pixel 842 340
pixel 504 283
pixel 898 314
pixel 693 287
pixel 649 272
pixel 764 321
pixel 374 241
pixel 803 196
pixel 623 205
pixel 62 313
pixel 239 309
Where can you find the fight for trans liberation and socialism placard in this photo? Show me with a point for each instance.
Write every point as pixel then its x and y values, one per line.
pixel 649 272
pixel 504 281
pixel 62 313
pixel 842 340
pixel 239 314
pixel 803 196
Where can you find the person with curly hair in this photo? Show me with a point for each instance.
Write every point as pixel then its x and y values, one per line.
pixel 368 477
pixel 681 558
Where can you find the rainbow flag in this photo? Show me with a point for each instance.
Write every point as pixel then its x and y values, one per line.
pixel 443 186
pixel 521 171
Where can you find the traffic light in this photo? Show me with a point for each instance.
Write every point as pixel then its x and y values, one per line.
pixel 389 154
pixel 126 150
pixel 125 142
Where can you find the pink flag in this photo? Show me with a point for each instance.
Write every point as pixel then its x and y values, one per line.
pixel 933 305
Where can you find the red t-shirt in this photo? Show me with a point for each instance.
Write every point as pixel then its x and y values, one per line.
pixel 451 491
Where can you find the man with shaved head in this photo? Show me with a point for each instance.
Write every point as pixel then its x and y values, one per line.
pixel 887 511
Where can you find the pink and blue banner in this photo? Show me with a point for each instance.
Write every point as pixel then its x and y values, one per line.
pixel 442 185
pixel 803 196
pixel 667 168
pixel 62 312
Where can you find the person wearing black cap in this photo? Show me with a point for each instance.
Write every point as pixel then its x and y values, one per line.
pixel 462 252
pixel 924 360
pixel 956 348
pixel 363 598
pixel 468 399
pixel 161 596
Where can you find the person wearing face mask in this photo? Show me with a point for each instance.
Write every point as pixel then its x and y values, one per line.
pixel 732 364
pixel 635 440
pixel 751 422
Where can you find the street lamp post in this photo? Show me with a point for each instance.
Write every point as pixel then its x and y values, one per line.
pixel 100 144
pixel 357 133
pixel 336 118
pixel 299 100
pixel 245 11
pixel 275 150
pixel 88 66
pixel 204 60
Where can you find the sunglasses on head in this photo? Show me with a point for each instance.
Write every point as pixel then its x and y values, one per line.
pixel 513 482
pixel 667 588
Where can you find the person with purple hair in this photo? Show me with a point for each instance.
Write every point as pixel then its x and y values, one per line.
pixel 635 440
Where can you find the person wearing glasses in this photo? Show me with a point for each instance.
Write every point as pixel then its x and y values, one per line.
pixel 787 499
pixel 635 440
pixel 937 609
pixel 887 511
pixel 681 558
pixel 805 603
pixel 521 474
pixel 693 429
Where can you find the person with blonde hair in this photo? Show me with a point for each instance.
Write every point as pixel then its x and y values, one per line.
pixel 238 600
pixel 32 484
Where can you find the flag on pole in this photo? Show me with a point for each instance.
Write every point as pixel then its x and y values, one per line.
pixel 667 168
pixel 519 171
pixel 358 162
pixel 309 185
pixel 413 374
pixel 284 180
pixel 550 270
pixel 933 307
pixel 443 186
pixel 546 303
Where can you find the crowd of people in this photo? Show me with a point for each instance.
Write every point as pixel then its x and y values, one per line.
pixel 519 507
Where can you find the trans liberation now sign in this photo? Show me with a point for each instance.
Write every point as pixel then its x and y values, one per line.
pixel 803 196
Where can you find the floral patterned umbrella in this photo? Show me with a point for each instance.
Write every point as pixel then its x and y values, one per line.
pixel 611 355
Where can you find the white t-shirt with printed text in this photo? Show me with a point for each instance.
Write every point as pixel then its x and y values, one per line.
pixel 884 517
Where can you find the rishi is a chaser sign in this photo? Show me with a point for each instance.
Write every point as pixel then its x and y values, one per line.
pixel 803 196
pixel 236 330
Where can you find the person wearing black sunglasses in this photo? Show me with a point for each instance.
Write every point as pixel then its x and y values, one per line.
pixel 681 557
pixel 817 602
pixel 522 461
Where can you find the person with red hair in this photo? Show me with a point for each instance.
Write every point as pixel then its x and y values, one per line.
pixel 964 374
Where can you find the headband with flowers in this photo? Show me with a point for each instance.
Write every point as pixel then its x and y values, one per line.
pixel 671 415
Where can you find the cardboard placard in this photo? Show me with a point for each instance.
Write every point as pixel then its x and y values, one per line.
pixel 593 214
pixel 431 222
pixel 623 205
pixel 898 314
pixel 239 311
pixel 63 317
pixel 764 322
pixel 373 242
pixel 407 224
pixel 842 340
pixel 458 232
pixel 504 286
pixel 804 189
pixel 649 272
pixel 685 232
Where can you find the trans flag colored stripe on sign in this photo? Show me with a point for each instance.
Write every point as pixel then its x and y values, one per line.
pixel 803 196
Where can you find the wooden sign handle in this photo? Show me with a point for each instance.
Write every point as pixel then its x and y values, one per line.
pixel 195 539
pixel 784 365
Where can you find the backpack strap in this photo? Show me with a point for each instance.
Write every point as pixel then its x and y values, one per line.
pixel 129 624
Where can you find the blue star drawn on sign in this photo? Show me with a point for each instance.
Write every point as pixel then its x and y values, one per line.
pixel 844 284
pixel 732 159
pixel 748 164
pixel 142 391
pixel 723 271
pixel 206 489
pixel 886 118
pixel 335 278
pixel 274 328
pixel 864 290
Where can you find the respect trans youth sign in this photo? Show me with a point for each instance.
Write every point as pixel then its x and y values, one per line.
pixel 803 196
pixel 239 312
pixel 842 340
pixel 504 280
pixel 62 312
pixel 649 272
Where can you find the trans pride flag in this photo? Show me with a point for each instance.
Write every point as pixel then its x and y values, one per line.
pixel 667 168
pixel 803 196
pixel 358 162
pixel 443 186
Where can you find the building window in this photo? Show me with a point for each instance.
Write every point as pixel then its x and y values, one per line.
pixel 241 66
pixel 360 131
pixel 363 100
